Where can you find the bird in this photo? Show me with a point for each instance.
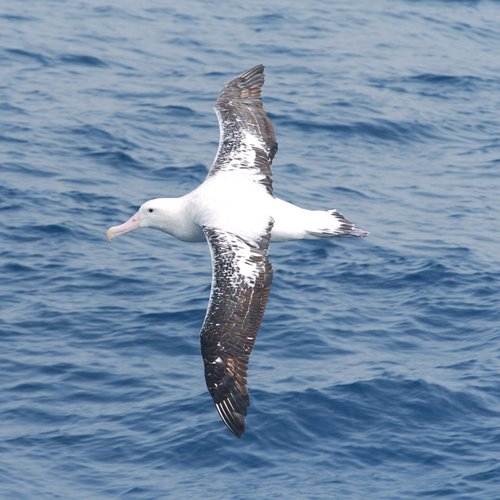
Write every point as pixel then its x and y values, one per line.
pixel 235 211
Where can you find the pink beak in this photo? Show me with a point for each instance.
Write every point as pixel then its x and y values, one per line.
pixel 131 225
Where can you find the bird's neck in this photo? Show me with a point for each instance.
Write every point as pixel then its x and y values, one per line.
pixel 177 220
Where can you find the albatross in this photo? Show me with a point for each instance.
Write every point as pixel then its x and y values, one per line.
pixel 236 212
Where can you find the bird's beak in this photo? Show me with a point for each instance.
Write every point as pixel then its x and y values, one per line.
pixel 131 225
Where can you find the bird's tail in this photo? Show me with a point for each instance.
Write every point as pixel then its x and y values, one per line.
pixel 339 227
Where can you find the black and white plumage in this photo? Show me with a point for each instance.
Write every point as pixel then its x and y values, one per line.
pixel 247 139
pixel 235 211
pixel 240 287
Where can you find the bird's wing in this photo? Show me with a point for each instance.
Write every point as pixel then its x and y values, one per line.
pixel 247 139
pixel 242 275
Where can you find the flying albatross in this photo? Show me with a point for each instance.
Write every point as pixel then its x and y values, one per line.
pixel 235 211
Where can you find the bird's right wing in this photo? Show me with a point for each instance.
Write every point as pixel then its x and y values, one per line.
pixel 247 140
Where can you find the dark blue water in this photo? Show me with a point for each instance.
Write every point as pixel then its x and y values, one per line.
pixel 376 370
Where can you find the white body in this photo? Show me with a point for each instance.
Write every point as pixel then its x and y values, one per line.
pixel 229 202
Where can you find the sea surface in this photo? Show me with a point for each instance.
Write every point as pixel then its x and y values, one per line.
pixel 376 372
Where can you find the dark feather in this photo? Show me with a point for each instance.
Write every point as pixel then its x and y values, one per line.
pixel 237 303
pixel 241 115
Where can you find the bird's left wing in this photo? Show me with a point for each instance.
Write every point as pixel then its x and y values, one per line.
pixel 242 275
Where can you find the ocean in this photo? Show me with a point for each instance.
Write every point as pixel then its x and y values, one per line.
pixel 376 369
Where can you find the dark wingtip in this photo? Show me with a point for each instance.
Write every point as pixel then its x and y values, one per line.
pixel 248 84
pixel 238 432
pixel 234 421
pixel 256 70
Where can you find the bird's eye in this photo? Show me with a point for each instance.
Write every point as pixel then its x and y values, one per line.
pixel 150 210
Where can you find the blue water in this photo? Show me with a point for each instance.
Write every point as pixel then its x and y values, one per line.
pixel 376 370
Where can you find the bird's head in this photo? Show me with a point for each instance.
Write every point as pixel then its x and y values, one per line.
pixel 154 213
